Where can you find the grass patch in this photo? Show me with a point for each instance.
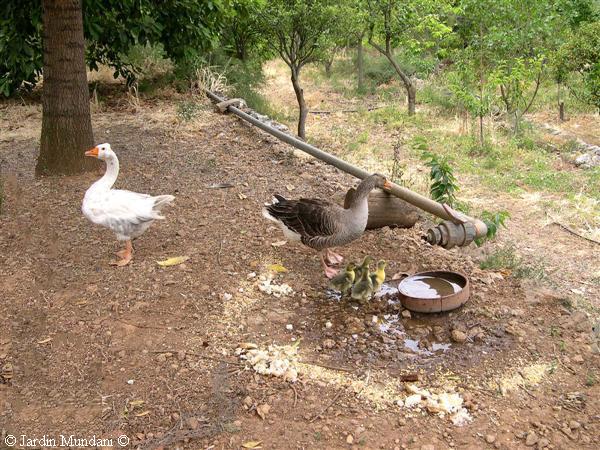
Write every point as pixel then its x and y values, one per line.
pixel 188 110
pixel 507 258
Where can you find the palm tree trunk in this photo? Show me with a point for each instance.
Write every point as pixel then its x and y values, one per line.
pixel 66 121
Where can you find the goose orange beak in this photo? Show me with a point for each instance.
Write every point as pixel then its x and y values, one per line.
pixel 387 185
pixel 92 152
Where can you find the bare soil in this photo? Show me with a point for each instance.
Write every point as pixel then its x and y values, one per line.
pixel 87 348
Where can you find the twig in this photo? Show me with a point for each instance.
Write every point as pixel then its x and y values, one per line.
pixel 142 326
pixel 371 108
pixel 572 231
pixel 528 392
pixel 330 367
pixel 331 403
pixel 295 394
pixel 558 358
pixel 219 253
pixel 198 355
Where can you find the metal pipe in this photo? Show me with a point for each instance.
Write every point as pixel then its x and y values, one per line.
pixel 459 229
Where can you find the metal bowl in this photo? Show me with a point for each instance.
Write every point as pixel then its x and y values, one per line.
pixel 434 291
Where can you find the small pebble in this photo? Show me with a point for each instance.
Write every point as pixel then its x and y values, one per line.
pixel 289 327
pixel 531 439
pixel 490 438
pixel 406 314
pixel 129 381
pixel 349 439
pixel 459 336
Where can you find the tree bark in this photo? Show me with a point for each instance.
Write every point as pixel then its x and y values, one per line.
pixel 411 90
pixel 411 93
pixel 328 64
pixel 301 103
pixel 66 121
pixel 360 64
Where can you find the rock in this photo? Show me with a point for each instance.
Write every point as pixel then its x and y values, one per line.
pixel 263 410
pixel 578 359
pixel 349 439
pixel 459 336
pixel 531 439
pixel 490 438
pixel 579 322
pixel 328 343
pixel 574 425
pixel 354 325
pixel 192 423
pixel 543 443
pixel 406 314
pixel 248 402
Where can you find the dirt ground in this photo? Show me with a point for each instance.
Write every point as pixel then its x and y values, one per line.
pixel 149 352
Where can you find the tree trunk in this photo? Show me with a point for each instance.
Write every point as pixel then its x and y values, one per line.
pixel 328 64
pixel 481 137
pixel 66 121
pixel 411 93
pixel 411 90
pixel 360 64
pixel 301 103
pixel 561 111
pixel 561 104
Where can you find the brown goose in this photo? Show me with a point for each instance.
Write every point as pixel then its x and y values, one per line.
pixel 321 225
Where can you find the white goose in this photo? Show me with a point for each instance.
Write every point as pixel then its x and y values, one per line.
pixel 126 213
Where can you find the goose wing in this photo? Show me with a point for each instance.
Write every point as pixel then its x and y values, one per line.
pixel 122 211
pixel 310 218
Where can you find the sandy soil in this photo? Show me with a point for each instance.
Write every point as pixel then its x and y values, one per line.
pixel 149 352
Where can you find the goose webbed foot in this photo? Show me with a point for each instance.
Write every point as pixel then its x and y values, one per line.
pixel 333 258
pixel 126 255
pixel 330 272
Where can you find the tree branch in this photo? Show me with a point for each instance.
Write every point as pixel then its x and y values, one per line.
pixel 537 86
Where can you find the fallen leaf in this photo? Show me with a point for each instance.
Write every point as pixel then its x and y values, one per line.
pixel 252 444
pixel 173 261
pixel 277 268
pixel 142 414
pixel 44 341
pixel 136 403
pixel 278 243
pixel 263 410
pixel 82 302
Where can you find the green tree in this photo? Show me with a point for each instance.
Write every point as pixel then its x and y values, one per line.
pixel 581 55
pixel 301 32
pixel 242 33
pixel 505 44
pixel 415 26
pixel 186 28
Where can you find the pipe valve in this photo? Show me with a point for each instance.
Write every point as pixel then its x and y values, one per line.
pixel 449 234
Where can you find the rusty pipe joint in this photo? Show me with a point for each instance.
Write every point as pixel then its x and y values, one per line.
pixel 449 234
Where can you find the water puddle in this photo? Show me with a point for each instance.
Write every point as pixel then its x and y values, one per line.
pixel 415 335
